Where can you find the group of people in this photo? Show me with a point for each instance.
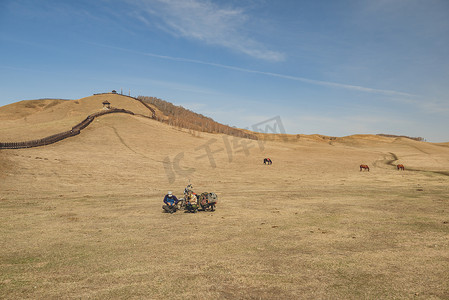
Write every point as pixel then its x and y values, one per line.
pixel 191 202
pixel 267 161
pixel 171 203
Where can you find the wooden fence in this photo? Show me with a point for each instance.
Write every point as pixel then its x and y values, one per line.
pixel 63 135
pixel 153 112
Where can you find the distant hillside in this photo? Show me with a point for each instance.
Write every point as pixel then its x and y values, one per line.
pixel 181 117
pixel 25 108
pixel 40 118
pixel 419 139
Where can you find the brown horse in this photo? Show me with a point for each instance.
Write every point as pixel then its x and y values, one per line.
pixel 364 167
pixel 401 167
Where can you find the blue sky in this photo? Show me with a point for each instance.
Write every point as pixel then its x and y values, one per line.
pixel 335 67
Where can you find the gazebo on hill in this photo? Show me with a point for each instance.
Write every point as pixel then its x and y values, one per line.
pixel 106 104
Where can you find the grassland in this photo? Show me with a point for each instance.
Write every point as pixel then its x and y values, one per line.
pixel 82 218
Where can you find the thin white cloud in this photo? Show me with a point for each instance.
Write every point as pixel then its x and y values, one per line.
pixel 176 86
pixel 295 78
pixel 204 21
pixel 159 83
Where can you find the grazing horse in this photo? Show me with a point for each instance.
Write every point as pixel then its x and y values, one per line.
pixel 364 167
pixel 401 167
pixel 267 161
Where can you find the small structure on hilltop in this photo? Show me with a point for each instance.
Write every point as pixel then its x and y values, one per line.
pixel 106 104
pixel 114 91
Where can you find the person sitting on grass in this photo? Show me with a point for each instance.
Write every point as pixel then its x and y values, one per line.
pixel 171 203
pixel 191 202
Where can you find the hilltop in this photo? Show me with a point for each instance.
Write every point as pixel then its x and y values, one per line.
pixel 44 117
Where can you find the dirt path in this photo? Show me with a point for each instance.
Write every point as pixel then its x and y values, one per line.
pixel 392 162
pixel 387 160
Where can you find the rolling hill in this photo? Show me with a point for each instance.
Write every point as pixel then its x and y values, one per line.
pixel 81 218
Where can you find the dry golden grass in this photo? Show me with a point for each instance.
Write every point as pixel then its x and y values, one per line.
pixel 82 218
pixel 35 119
